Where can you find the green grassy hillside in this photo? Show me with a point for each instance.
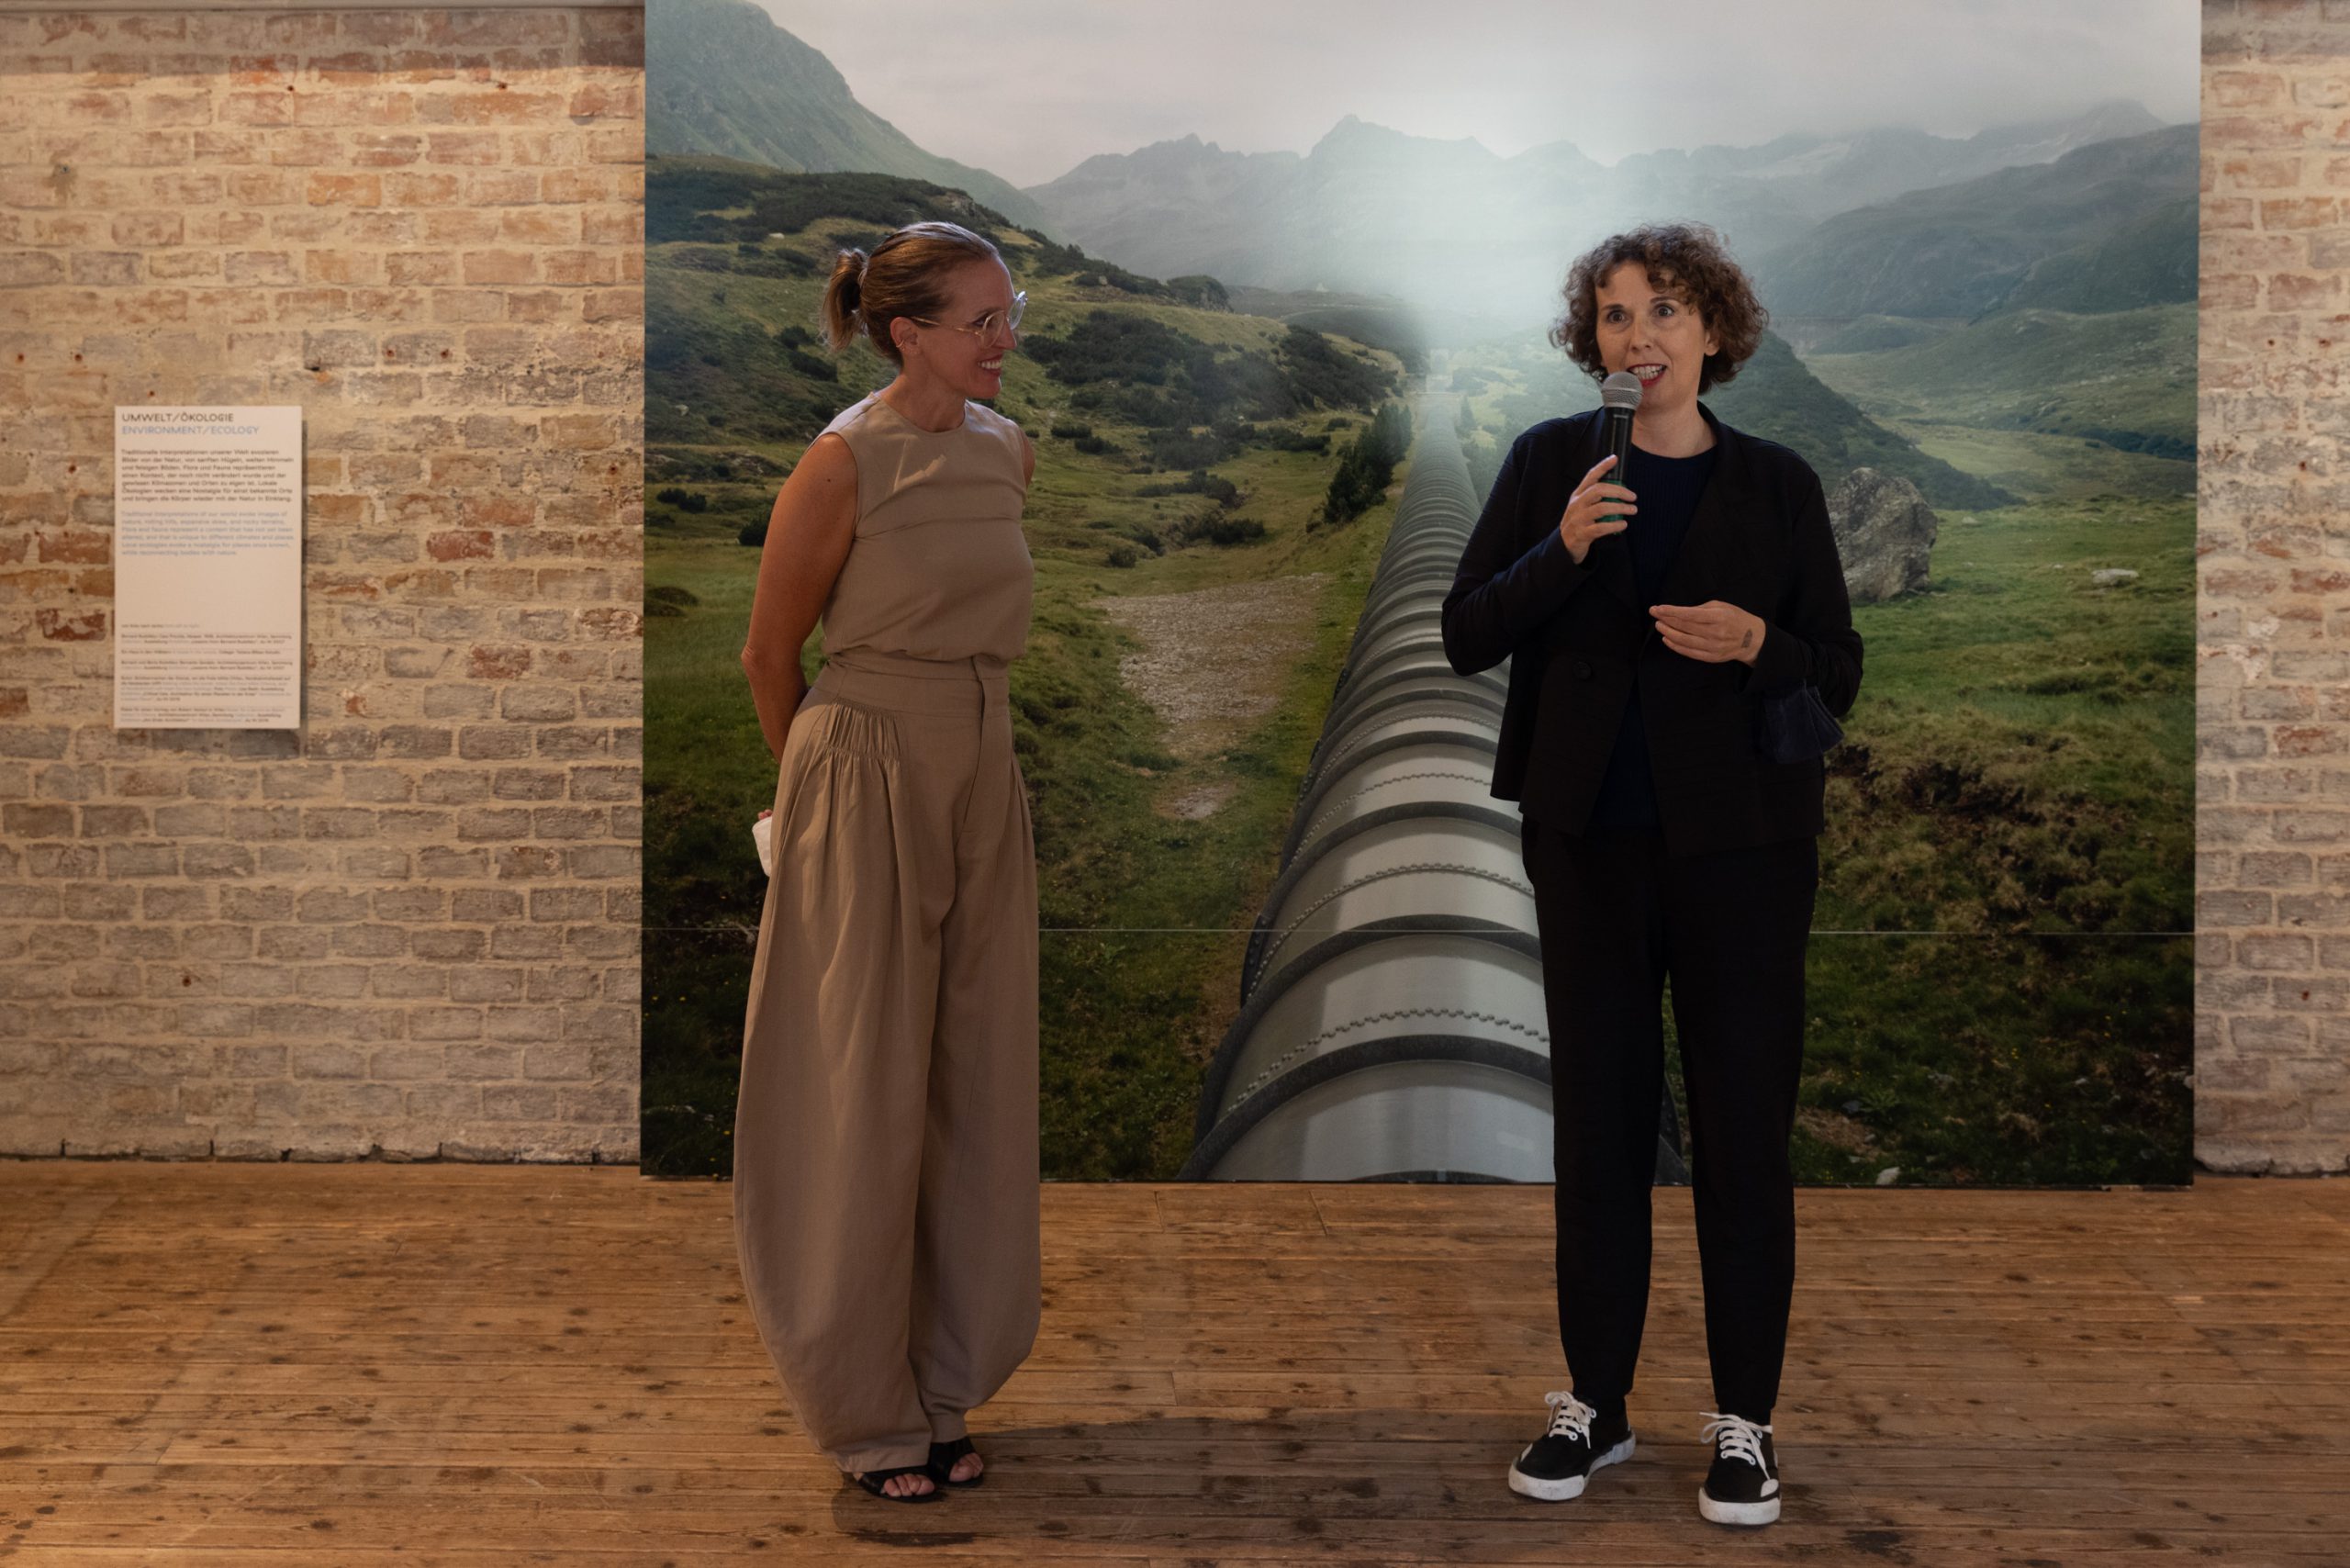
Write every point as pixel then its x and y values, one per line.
pixel 2124 378
pixel 2149 260
pixel 2018 780
pixel 1870 334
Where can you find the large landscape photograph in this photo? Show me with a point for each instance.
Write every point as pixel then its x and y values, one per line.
pixel 1286 315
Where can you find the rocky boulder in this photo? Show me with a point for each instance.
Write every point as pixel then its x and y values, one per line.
pixel 1885 534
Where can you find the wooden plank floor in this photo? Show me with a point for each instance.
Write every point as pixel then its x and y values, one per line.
pixel 368 1364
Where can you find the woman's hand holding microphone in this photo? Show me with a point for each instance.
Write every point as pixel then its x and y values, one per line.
pixel 1712 632
pixel 1594 499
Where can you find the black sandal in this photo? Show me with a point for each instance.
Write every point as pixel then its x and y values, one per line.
pixel 873 1481
pixel 941 1465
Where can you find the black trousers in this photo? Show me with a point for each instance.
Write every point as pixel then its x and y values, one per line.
pixel 1618 919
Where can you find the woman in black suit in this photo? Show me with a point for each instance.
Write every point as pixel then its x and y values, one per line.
pixel 1661 624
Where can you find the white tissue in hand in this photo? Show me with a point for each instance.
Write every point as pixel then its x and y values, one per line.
pixel 763 834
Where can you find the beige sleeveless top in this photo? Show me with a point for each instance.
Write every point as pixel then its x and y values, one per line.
pixel 938 568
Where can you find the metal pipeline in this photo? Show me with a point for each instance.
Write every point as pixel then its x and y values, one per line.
pixel 1391 1023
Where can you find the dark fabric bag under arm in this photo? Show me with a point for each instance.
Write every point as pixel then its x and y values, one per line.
pixel 1795 727
pixel 1810 641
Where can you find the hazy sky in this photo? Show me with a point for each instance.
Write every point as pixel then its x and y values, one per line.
pixel 1028 89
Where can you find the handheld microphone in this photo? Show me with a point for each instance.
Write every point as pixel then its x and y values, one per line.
pixel 1620 395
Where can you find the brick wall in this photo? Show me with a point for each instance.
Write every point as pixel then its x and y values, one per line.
pixel 2273 788
pixel 409 928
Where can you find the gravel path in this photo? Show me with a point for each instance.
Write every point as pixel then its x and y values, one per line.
pixel 1213 661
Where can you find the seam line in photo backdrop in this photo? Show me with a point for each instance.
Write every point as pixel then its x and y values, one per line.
pixel 1245 930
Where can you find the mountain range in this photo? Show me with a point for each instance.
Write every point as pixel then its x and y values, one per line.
pixel 1451 224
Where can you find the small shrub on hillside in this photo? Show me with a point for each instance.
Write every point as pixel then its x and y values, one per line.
pixel 1368 465
pixel 1215 528
pixel 1189 449
pixel 810 365
pixel 1281 438
pixel 1198 482
pixel 1201 290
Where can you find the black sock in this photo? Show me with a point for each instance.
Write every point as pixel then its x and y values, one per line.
pixel 1611 1411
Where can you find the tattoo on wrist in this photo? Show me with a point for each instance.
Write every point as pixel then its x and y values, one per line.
pixel 1746 642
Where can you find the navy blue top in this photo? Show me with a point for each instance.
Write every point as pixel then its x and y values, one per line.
pixel 1667 489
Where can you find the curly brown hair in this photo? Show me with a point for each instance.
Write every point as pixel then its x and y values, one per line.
pixel 1687 259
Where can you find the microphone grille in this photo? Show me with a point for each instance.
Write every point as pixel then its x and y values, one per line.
pixel 1621 390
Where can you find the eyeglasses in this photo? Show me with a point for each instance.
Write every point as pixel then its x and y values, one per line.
pixel 988 326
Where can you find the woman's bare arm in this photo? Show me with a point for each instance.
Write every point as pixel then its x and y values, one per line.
pixel 808 538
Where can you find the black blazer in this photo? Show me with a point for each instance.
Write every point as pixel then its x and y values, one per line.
pixel 1575 635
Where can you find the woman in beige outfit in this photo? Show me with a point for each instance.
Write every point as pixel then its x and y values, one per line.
pixel 885 1144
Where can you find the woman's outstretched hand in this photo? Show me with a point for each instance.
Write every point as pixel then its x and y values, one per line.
pixel 1712 632
pixel 1593 499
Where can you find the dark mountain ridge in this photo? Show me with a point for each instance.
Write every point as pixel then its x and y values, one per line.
pixel 2107 227
pixel 721 77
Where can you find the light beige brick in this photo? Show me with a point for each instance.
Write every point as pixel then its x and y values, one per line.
pixel 2273 1053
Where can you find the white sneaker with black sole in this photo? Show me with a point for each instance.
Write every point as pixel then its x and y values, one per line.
pixel 1742 1488
pixel 1556 1465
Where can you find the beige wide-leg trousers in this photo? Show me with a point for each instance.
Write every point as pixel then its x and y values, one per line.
pixel 885 1142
